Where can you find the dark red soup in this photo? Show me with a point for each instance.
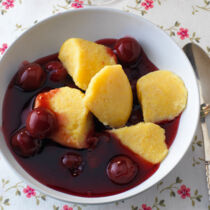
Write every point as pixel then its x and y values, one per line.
pixel 88 172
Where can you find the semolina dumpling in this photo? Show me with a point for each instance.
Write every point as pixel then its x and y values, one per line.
pixel 109 96
pixel 145 139
pixel 73 118
pixel 162 94
pixel 83 59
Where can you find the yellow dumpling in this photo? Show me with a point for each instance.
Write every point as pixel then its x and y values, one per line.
pixel 74 121
pixel 83 59
pixel 162 95
pixel 145 139
pixel 109 96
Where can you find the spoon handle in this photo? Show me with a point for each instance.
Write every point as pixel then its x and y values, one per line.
pixel 205 109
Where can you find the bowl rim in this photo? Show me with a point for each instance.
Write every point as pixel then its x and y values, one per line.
pixel 118 196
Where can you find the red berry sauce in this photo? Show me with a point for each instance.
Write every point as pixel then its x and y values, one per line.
pixel 89 172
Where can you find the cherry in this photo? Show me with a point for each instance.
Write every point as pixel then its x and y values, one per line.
pixel 57 71
pixel 53 65
pixel 40 122
pixel 24 144
pixel 30 76
pixel 121 169
pixel 127 49
pixel 92 141
pixel 73 162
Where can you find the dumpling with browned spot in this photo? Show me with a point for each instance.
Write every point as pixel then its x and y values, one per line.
pixel 74 119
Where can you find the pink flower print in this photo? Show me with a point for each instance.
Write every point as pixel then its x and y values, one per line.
pixel 3 48
pixel 8 4
pixel 29 192
pixel 147 4
pixel 183 33
pixel 145 207
pixel 65 207
pixel 184 192
pixel 77 4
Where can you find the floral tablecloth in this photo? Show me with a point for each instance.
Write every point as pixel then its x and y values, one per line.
pixel 185 21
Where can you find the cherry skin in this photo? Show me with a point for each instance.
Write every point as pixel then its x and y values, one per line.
pixel 127 49
pixel 53 65
pixel 30 76
pixel 24 144
pixel 121 169
pixel 92 141
pixel 40 122
pixel 73 162
pixel 57 71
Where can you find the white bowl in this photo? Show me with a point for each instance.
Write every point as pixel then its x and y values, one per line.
pixel 93 24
